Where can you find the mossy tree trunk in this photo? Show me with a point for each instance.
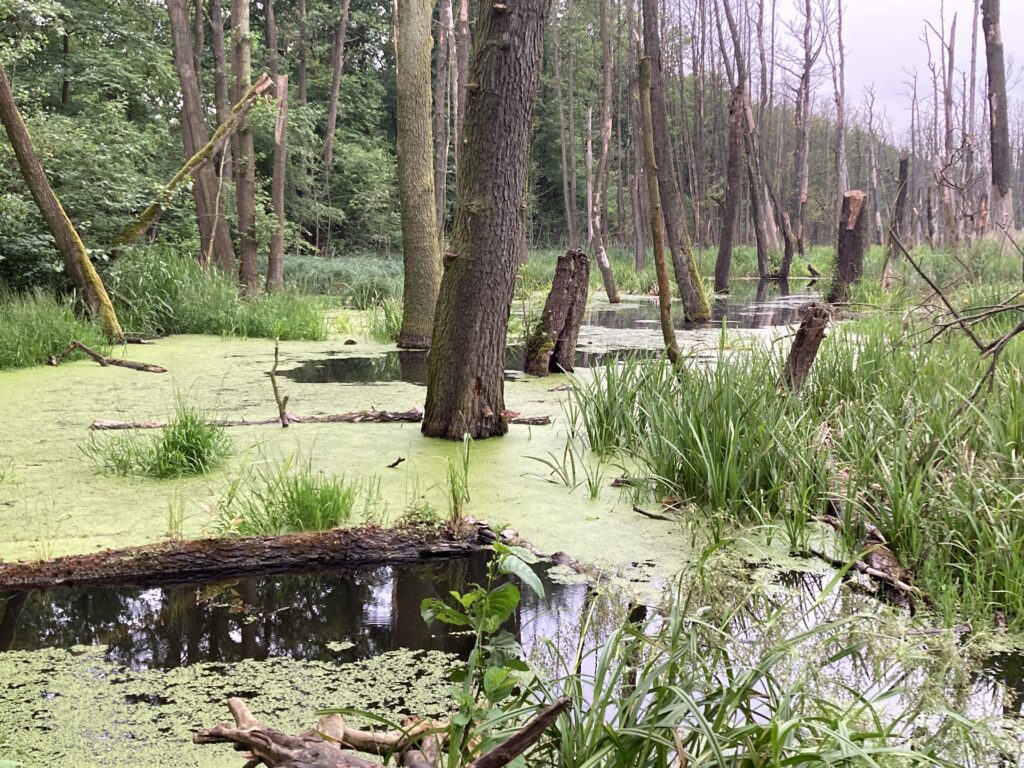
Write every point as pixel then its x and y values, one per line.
pixel 691 289
pixel 76 259
pixel 465 388
pixel 245 157
pixel 420 247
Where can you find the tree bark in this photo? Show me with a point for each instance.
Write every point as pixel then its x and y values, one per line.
pixel 245 161
pixel 420 248
pixel 571 75
pixel 897 222
pixel 668 331
pixel 805 345
pixel 551 346
pixel 567 199
pixel 441 112
pixel 337 66
pixel 220 84
pixel 1001 195
pixel 691 288
pixel 214 235
pixel 733 191
pixel 598 222
pixel 275 261
pixel 76 259
pixel 303 48
pixel 637 181
pixel 465 43
pixel 271 34
pixel 465 389
pixel 853 241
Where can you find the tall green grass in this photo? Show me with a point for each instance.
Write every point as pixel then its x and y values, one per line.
pixel 360 281
pixel 34 326
pixel 884 424
pixel 187 445
pixel 160 291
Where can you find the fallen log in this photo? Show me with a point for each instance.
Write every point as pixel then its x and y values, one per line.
pixel 805 346
pixel 355 417
pixel 418 743
pixel 104 361
pixel 551 345
pixel 204 560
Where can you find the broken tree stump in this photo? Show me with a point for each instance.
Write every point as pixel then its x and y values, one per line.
pixel 853 240
pixel 55 360
pixel 805 346
pixel 551 345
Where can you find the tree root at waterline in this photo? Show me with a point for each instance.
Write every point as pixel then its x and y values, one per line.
pixel 331 743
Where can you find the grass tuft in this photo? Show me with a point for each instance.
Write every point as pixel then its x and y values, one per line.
pixel 34 326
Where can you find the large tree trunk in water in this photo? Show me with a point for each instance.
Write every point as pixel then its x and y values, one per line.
pixel 441 111
pixel 245 181
pixel 69 244
pixel 465 389
pixel 214 235
pixel 599 225
pixel 275 262
pixel 853 241
pixel 733 191
pixel 668 331
pixel 1001 197
pixel 420 247
pixel 691 289
pixel 220 83
pixel 551 346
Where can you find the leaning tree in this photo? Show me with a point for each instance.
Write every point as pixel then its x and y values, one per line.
pixel 465 384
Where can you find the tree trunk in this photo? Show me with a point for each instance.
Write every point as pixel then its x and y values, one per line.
pixel 65 83
pixel 853 241
pixel 420 246
pixel 551 346
pixel 245 181
pixel 198 41
pixel 570 203
pixel 69 244
pixel 691 288
pixel 1001 195
pixel 222 101
pixel 570 66
pixel 805 345
pixel 302 45
pixel 271 33
pixel 337 66
pixel 637 181
pixel 896 224
pixel 465 43
pixel 275 262
pixel 588 172
pixel 668 331
pixel 598 220
pixel 733 191
pixel 441 112
pixel 801 153
pixel 465 389
pixel 214 235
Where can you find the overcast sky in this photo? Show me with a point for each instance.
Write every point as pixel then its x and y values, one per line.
pixel 883 41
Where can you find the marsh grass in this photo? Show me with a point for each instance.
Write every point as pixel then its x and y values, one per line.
pixel 458 483
pixel 384 321
pixel 883 425
pixel 187 445
pixel 361 281
pixel 290 498
pixel 34 326
pixel 160 291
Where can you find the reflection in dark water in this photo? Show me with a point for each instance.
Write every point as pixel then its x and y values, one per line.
pixel 341 616
pixel 1006 670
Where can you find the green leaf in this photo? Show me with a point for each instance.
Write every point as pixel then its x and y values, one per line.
pixel 515 566
pixel 498 683
pixel 497 607
pixel 434 610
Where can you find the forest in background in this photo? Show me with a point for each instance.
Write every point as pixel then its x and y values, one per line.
pixel 102 102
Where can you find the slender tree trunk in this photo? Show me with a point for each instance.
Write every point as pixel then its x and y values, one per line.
pixel 465 389
pixel 222 101
pixel 598 217
pixel 302 46
pixel 691 288
pixel 275 263
pixel 198 38
pixel 898 222
pixel 420 246
pixel 65 83
pixel 245 181
pixel 337 66
pixel 733 191
pixel 214 235
pixel 570 204
pixel 271 34
pixel 570 74
pixel 839 97
pixel 1001 196
pixel 441 111
pixel 970 197
pixel 588 172
pixel 668 331
pixel 465 44
pixel 637 181
pixel 69 244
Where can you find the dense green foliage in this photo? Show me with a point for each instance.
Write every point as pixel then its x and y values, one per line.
pixel 34 326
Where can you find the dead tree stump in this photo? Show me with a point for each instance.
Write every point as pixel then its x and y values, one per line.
pixel 853 240
pixel 805 346
pixel 551 345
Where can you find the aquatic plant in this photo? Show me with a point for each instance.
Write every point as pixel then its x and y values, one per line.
pixel 161 291
pixel 458 483
pixel 34 326
pixel 288 498
pixel 187 445
pixel 384 320
pixel 361 281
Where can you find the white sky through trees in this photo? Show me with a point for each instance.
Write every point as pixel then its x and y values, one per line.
pixel 883 41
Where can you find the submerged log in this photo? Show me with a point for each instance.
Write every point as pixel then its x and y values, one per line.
pixel 418 743
pixel 853 240
pixel 205 560
pixel 355 417
pixel 551 346
pixel 805 346
pixel 103 360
